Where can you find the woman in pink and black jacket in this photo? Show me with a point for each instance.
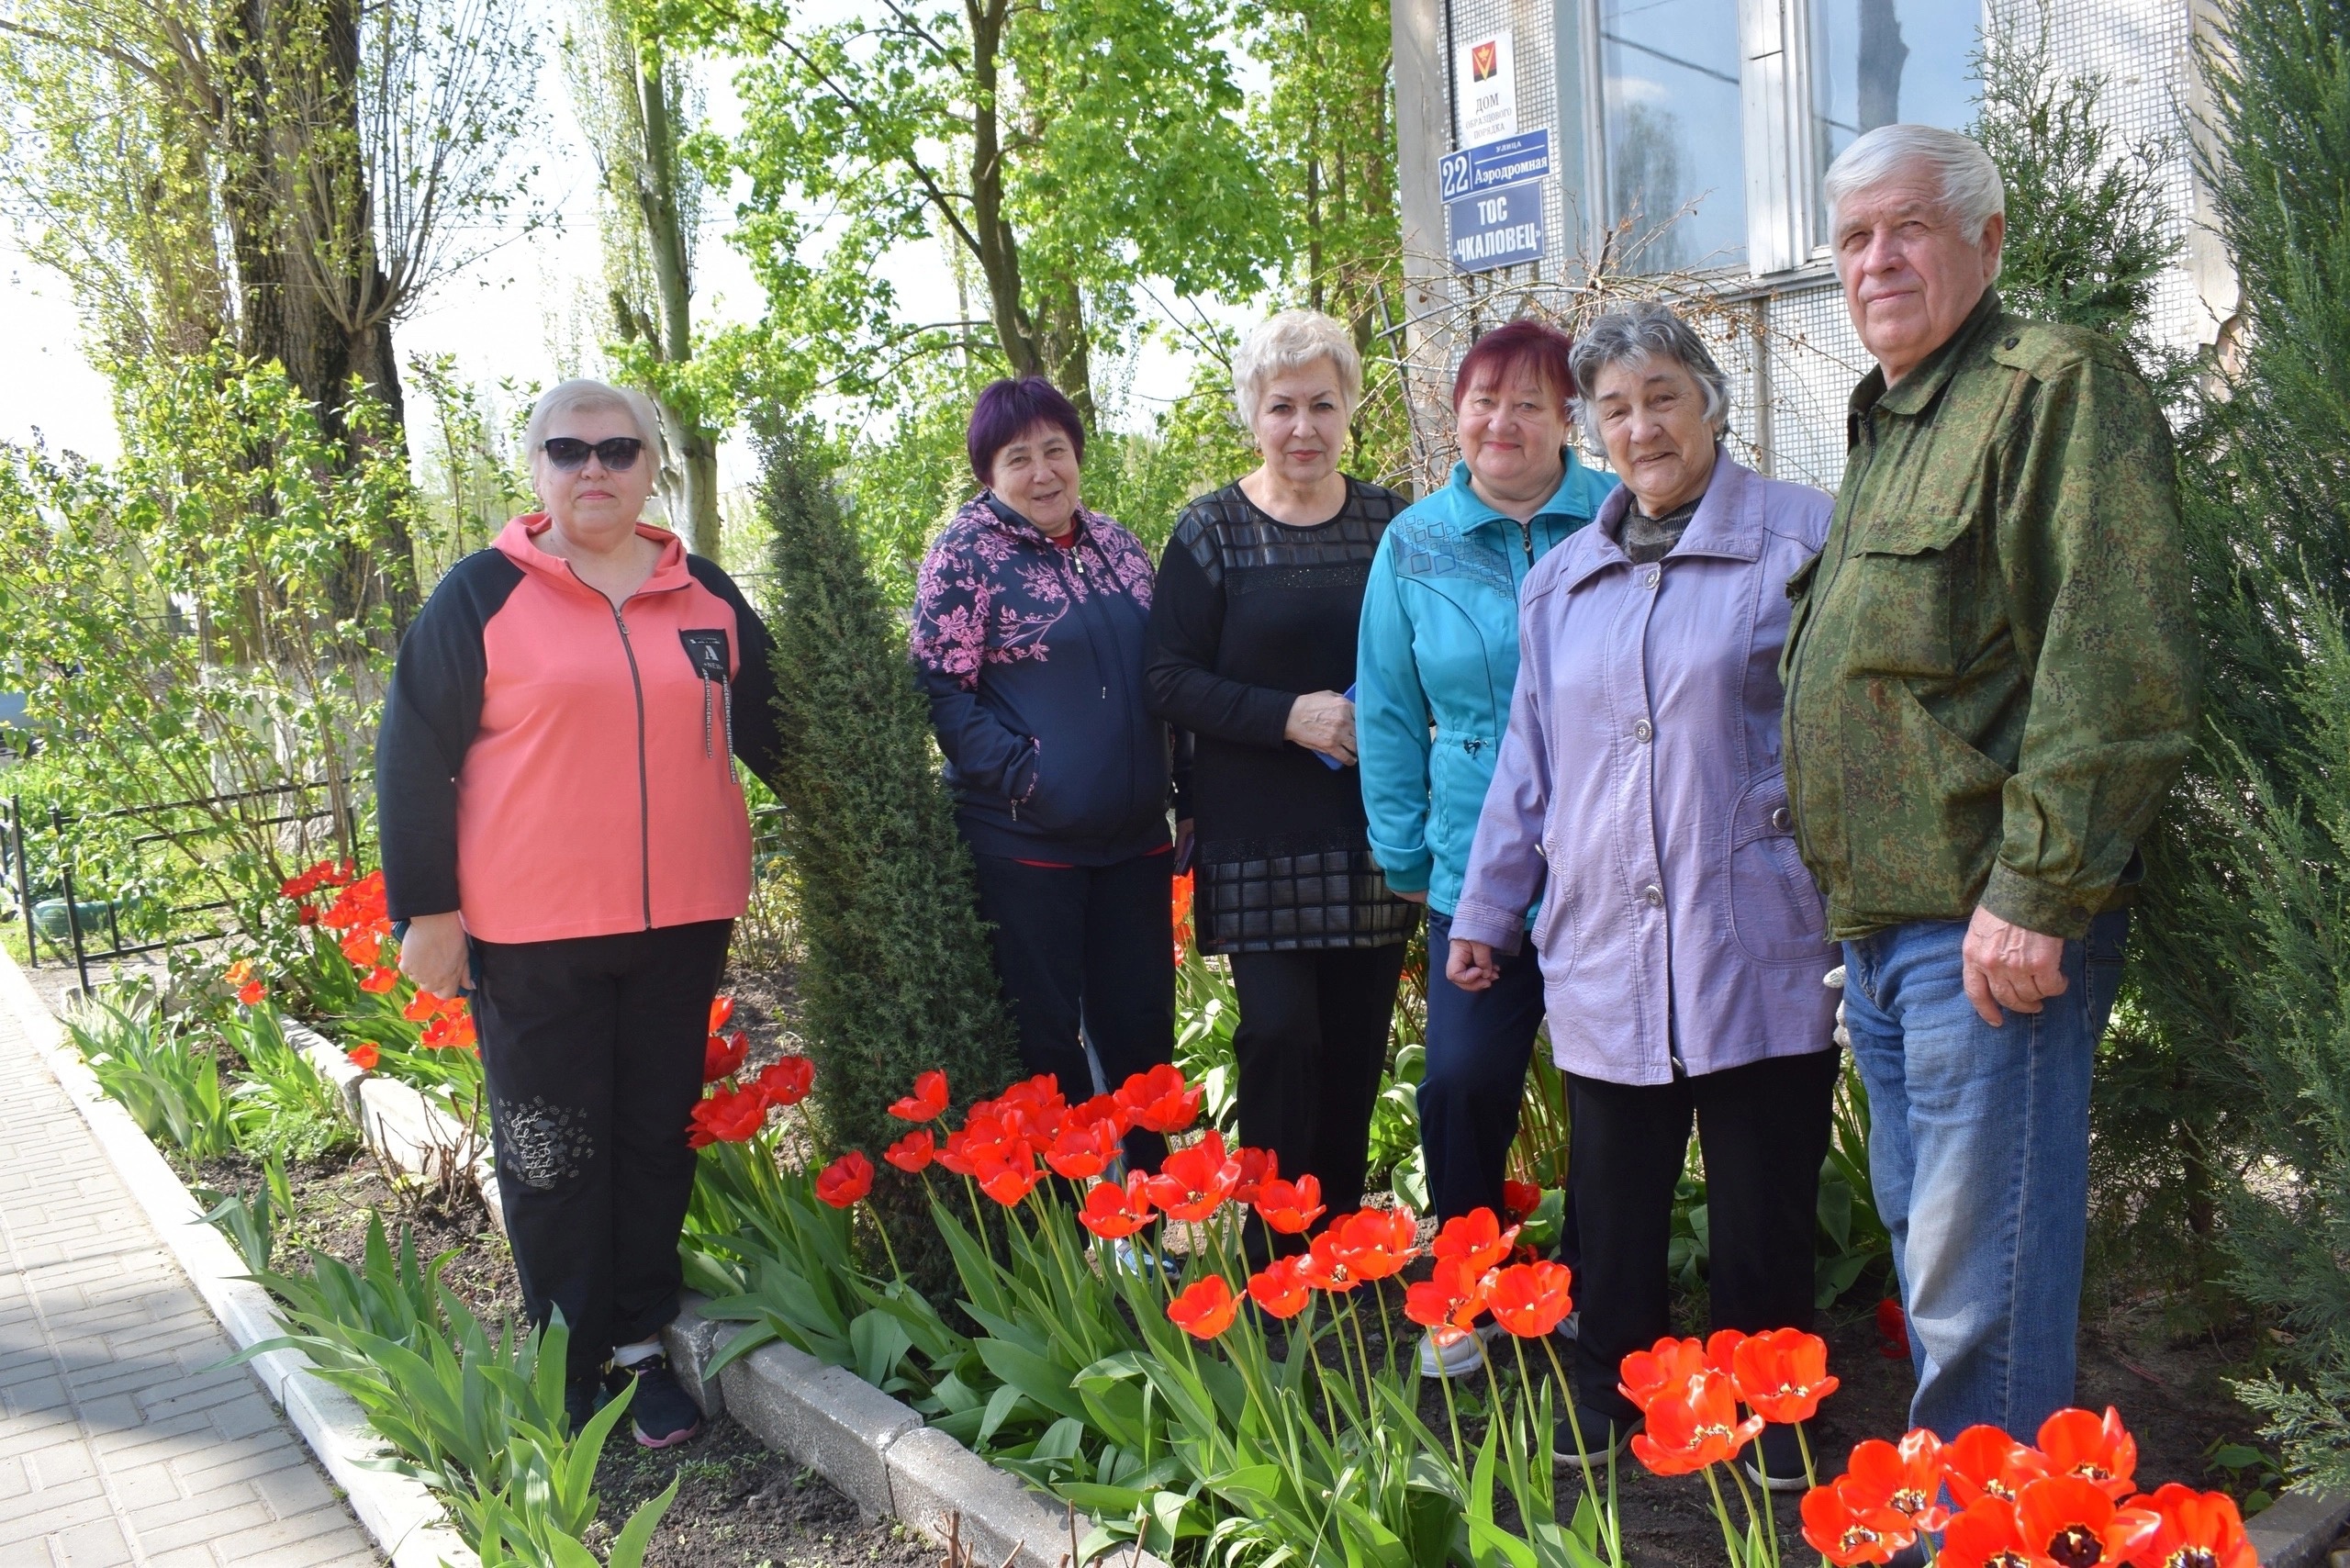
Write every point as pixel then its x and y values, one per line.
pixel 1030 620
pixel 564 834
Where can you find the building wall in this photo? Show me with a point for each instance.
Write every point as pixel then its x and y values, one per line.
pixel 1786 341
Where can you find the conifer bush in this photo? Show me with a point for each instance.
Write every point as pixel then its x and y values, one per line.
pixel 895 977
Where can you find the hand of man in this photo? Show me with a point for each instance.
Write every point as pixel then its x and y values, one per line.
pixel 1471 965
pixel 1323 721
pixel 433 953
pixel 2007 965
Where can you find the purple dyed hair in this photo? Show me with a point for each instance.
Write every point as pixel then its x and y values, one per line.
pixel 1008 409
pixel 1524 344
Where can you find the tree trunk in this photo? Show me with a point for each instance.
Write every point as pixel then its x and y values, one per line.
pixel 695 445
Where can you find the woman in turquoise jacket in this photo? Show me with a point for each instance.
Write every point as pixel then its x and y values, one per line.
pixel 1438 648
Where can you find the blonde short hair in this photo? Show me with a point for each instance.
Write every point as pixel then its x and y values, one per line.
pixel 1972 192
pixel 1292 341
pixel 581 395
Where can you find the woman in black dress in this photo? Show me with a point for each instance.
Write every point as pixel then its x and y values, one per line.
pixel 1252 652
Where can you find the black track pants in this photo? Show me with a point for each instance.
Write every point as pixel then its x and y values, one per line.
pixel 593 1050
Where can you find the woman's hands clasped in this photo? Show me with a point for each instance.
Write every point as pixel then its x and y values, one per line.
pixel 433 955
pixel 1323 721
pixel 1471 965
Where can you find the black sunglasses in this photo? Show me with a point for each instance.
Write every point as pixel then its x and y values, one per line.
pixel 569 451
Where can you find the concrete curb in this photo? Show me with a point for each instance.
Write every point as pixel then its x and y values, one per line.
pixel 877 1451
pixel 401 1515
pixel 2295 1530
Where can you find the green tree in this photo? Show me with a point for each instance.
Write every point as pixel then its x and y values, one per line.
pixel 896 975
pixel 2243 969
pixel 639 102
pixel 1068 151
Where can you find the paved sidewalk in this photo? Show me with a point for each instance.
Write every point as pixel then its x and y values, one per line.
pixel 122 1440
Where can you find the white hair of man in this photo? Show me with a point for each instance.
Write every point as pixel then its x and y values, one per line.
pixel 1638 334
pixel 1972 192
pixel 1289 341
pixel 582 395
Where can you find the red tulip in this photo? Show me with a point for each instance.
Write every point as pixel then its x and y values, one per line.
pixel 1258 1166
pixel 1476 1238
pixel 380 981
pixel 1290 1207
pixel 1007 1172
pixel 1783 1374
pixel 928 1101
pixel 449 1031
pixel 1984 1462
pixel 1114 1212
pixel 1893 1330
pixel 1448 1302
pixel 363 1056
pixel 722 1011
pixel 1279 1290
pixel 846 1180
pixel 786 1081
pixel 1984 1534
pixel 2102 1452
pixel 1104 1109
pixel 1847 1529
pixel 1159 1102
pixel 722 1057
pixel 2193 1530
pixel 1377 1243
pixel 1521 1198
pixel 1667 1365
pixel 1324 1268
pixel 1905 1477
pixel 1692 1427
pixel 1193 1182
pixel 731 1116
pixel 1205 1309
pixel 1721 1351
pixel 1083 1149
pixel 912 1153
pixel 422 1006
pixel 1530 1299
pixel 2073 1523
pixel 363 948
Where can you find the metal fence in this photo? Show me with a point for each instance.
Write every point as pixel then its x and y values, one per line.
pixel 48 871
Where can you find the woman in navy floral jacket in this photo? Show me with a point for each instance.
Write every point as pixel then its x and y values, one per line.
pixel 1030 620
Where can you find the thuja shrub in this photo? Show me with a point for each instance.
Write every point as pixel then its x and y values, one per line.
pixel 894 976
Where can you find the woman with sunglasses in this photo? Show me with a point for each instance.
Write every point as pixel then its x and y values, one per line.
pixel 564 834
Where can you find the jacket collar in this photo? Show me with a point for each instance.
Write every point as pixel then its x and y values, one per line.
pixel 1914 391
pixel 1008 520
pixel 1469 511
pixel 518 543
pixel 1728 525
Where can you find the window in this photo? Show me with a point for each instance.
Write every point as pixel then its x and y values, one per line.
pixel 1676 182
pixel 1699 129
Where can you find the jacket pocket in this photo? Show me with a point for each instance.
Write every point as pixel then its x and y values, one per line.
pixel 1922 806
pixel 1905 601
pixel 1555 930
pixel 1775 910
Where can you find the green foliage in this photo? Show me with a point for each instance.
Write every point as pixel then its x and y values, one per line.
pixel 153 1069
pixel 896 978
pixel 2086 240
pixel 181 617
pixel 474 476
pixel 2243 975
pixel 284 1109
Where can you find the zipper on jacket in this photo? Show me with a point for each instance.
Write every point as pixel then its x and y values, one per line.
pixel 643 785
pixel 1526 537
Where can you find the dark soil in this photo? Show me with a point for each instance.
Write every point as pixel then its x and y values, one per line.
pixel 740 1505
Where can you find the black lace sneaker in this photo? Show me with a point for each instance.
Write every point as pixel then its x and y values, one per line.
pixel 583 1395
pixel 663 1413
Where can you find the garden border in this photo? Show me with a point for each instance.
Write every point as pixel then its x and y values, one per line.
pixel 874 1448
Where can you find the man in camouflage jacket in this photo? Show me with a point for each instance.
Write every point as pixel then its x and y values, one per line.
pixel 1991 683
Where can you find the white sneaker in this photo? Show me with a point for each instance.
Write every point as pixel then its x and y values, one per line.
pixel 1462 1357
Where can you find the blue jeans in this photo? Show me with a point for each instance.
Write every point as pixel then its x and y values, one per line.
pixel 1979 1149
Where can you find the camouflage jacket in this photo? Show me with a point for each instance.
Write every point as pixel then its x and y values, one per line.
pixel 1991 669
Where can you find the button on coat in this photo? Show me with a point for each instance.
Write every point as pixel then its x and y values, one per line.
pixel 1638 796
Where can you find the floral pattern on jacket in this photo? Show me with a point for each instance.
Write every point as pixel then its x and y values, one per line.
pixel 985 596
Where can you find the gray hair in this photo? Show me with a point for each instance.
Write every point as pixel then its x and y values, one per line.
pixel 1292 341
pixel 582 395
pixel 1966 179
pixel 1636 334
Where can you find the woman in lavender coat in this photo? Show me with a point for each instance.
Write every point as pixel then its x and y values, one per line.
pixel 1640 797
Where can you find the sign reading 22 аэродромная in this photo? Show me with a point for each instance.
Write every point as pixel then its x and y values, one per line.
pixel 1492 201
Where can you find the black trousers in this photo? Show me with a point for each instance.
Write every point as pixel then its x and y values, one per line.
pixel 1472 1087
pixel 1763 1131
pixel 1087 953
pixel 1310 1045
pixel 592 1048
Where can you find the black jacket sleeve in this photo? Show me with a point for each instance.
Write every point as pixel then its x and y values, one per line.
pixel 1186 628
pixel 758 739
pixel 429 717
